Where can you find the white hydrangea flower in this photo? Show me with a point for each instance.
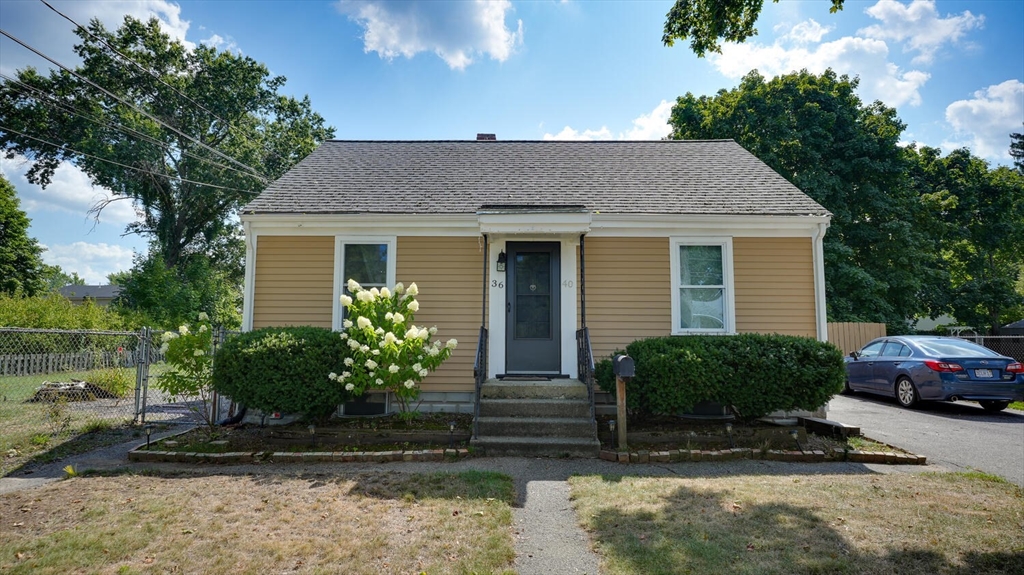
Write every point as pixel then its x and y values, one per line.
pixel 380 381
pixel 389 316
pixel 416 367
pixel 203 316
pixel 375 293
pixel 348 362
pixel 364 348
pixel 452 343
pixel 370 364
pixel 349 387
pixel 364 296
pixel 379 331
pixel 347 323
pixel 344 336
pixel 202 328
pixel 414 306
pixel 389 338
pixel 385 292
pixel 164 347
pixel 375 352
pixel 399 287
pixel 409 384
pixel 183 329
pixel 353 344
pixel 167 336
pixel 372 373
pixel 424 333
pixel 362 322
pixel 413 290
pixel 332 376
pixel 345 300
pixel 353 286
pixel 399 318
pixel 412 333
pixel 198 352
pixel 393 368
pixel 432 352
pixel 433 330
pixel 423 372
pixel 345 375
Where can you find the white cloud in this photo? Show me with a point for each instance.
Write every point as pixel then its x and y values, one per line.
pixel 984 122
pixel 112 15
pixel 653 126
pixel 867 58
pixel 222 44
pixel 92 261
pixel 70 191
pixel 919 26
pixel 808 32
pixel 455 31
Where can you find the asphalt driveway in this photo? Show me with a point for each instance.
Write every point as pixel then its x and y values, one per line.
pixel 958 436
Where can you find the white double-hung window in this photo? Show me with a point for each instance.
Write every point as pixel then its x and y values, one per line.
pixel 369 261
pixel 702 286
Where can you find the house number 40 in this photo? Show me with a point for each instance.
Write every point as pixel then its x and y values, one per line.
pixel 567 284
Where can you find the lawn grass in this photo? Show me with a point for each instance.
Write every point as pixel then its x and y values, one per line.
pixel 377 522
pixel 1018 405
pixel 911 524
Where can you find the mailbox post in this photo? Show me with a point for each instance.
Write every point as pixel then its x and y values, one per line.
pixel 623 368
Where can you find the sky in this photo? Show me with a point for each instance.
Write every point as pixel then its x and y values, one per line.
pixel 542 69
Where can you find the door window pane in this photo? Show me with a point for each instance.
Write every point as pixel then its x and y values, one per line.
pixel 533 295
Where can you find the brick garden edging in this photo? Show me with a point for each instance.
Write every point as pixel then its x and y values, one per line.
pixel 836 454
pixel 141 455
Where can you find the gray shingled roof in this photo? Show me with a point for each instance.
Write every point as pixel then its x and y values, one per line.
pixel 461 177
pixel 91 291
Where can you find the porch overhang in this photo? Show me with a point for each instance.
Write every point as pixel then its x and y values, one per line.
pixel 519 220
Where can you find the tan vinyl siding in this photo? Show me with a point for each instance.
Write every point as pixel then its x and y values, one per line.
pixel 294 281
pixel 774 279
pixel 628 291
pixel 448 273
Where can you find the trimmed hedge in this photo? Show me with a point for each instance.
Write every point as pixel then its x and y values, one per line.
pixel 756 374
pixel 283 369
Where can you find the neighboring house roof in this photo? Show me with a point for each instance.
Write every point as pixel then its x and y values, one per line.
pixel 708 177
pixel 1019 324
pixel 95 292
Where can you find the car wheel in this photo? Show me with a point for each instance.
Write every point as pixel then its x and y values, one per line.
pixel 847 390
pixel 906 393
pixel 994 406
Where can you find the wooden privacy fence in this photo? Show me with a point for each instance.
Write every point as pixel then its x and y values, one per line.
pixel 849 336
pixel 44 363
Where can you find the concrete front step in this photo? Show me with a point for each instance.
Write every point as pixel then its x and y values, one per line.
pixel 553 389
pixel 490 407
pixel 515 446
pixel 536 427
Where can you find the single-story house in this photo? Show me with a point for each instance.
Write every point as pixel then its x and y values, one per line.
pixel 534 241
pixel 101 295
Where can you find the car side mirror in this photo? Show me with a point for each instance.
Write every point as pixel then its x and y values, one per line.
pixel 854 355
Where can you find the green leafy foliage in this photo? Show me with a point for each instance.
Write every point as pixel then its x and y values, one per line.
pixel 52 311
pixel 189 355
pixel 707 22
pixel 283 369
pixel 117 381
pixel 756 374
pixel 387 350
pixel 880 260
pixel 20 266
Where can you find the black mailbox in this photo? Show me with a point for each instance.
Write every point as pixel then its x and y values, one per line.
pixel 623 366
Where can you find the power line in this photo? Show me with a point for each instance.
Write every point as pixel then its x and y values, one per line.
pixel 140 170
pixel 50 99
pixel 136 108
pixel 152 73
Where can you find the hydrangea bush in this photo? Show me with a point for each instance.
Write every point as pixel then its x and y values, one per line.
pixel 387 350
pixel 191 367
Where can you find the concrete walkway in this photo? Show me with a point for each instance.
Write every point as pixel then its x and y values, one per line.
pixel 547 535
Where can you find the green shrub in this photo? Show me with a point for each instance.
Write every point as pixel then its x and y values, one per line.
pixel 756 374
pixel 117 381
pixel 283 369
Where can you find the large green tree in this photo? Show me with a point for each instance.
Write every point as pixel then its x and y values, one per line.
pixel 187 135
pixel 706 23
pixel 979 221
pixel 1017 151
pixel 20 266
pixel 815 131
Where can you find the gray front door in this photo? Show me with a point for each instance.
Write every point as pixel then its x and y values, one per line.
pixel 532 329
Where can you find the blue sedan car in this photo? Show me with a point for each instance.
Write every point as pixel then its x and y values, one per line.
pixel 919 368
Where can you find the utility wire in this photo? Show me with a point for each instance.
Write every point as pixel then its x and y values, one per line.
pixel 140 170
pixel 53 101
pixel 136 108
pixel 149 71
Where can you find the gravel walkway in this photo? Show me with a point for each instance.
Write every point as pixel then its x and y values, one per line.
pixel 548 538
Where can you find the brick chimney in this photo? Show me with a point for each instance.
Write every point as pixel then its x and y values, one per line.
pixel 486 137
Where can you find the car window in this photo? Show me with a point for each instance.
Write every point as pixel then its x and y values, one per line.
pixel 892 349
pixel 872 349
pixel 954 348
pixel 904 351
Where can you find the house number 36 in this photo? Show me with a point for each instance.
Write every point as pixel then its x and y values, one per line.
pixel 497 284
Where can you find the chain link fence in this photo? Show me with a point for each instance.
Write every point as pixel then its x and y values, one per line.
pixel 55 384
pixel 1008 345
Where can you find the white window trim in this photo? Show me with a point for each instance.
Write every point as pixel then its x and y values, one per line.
pixel 729 302
pixel 339 264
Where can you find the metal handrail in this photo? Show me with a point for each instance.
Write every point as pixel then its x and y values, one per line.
pixel 480 374
pixel 585 366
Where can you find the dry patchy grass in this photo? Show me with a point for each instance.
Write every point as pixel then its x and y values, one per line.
pixel 367 523
pixel 901 523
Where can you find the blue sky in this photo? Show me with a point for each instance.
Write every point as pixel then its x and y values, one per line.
pixel 576 69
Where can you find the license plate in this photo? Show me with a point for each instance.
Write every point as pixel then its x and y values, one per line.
pixel 983 373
